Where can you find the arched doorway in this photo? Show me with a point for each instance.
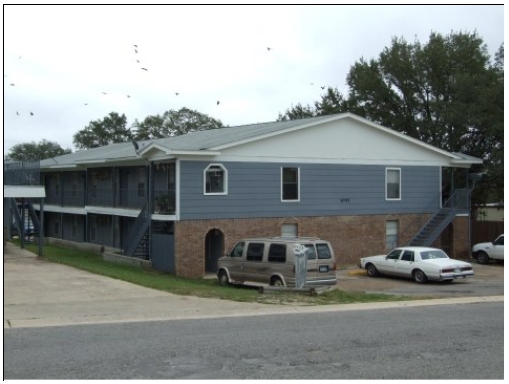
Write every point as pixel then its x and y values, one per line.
pixel 214 249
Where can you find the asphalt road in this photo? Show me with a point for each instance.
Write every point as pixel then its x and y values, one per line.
pixel 458 341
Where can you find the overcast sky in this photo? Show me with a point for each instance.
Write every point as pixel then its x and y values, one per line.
pixel 62 58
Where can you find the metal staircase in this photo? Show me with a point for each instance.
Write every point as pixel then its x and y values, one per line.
pixel 459 202
pixel 25 219
pixel 139 238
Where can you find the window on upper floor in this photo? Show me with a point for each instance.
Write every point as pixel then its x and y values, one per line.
pixel 290 184
pixel 393 184
pixel 141 182
pixel 215 180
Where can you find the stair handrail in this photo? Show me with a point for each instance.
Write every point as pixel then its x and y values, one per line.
pixel 430 207
pixel 33 216
pixel 140 222
pixel 451 205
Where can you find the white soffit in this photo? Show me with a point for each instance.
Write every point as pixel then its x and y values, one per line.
pixel 20 191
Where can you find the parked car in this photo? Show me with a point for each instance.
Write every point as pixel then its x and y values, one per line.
pixel 419 263
pixel 274 261
pixel 494 250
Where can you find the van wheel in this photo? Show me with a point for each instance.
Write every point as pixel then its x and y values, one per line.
pixel 223 278
pixel 277 282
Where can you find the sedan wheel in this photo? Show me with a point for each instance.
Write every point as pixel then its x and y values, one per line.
pixel 419 276
pixel 372 271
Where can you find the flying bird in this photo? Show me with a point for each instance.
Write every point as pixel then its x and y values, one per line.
pixel 31 113
pixel 323 87
pixel 128 96
pixel 86 103
pixel 145 69
pixel 217 102
pixel 104 93
pixel 135 45
pixel 12 84
pixel 135 51
pixel 176 93
pixel 17 113
pixel 269 48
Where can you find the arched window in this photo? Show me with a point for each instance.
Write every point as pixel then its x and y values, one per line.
pixel 215 180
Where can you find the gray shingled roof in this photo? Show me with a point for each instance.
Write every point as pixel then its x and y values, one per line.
pixel 194 141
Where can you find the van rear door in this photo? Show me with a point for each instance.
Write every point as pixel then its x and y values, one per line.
pixel 312 264
pixel 325 261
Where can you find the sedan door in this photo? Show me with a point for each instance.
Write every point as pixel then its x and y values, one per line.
pixel 389 264
pixel 405 265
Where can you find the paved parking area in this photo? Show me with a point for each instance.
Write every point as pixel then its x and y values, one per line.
pixel 488 280
pixel 39 293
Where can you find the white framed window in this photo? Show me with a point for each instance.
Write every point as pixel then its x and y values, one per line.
pixel 391 234
pixel 290 184
pixel 393 183
pixel 215 180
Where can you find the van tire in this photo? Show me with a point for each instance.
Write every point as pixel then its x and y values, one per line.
pixel 276 281
pixel 223 278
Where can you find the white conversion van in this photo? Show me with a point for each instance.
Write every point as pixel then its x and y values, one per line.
pixel 274 261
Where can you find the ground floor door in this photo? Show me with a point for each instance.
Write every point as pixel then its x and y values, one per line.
pixel 163 254
pixel 214 249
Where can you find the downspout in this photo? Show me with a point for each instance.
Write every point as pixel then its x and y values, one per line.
pixel 150 195
pixel 41 226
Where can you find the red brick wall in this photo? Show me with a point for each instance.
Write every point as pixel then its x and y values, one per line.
pixel 351 236
pixel 460 242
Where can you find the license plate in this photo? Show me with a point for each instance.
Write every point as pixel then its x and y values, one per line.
pixel 323 268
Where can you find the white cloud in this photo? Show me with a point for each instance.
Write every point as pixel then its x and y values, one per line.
pixel 71 54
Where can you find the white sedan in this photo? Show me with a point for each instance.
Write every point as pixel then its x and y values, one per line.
pixel 419 263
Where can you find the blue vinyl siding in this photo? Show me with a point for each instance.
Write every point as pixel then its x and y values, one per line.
pixel 254 190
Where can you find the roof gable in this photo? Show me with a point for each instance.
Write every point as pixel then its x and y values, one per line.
pixel 345 138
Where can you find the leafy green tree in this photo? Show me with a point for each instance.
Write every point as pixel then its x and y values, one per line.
pixel 36 151
pixel 446 93
pixel 112 129
pixel 174 123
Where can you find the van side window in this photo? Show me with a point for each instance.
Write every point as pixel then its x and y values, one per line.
pixel 238 250
pixel 323 251
pixel 255 251
pixel 277 253
pixel 310 251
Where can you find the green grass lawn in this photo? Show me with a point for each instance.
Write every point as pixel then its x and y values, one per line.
pixel 208 288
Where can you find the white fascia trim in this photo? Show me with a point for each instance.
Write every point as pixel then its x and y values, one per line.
pixel 309 160
pixel 113 211
pixel 177 189
pixel 61 166
pixel 177 152
pixel 99 161
pixel 277 133
pixel 60 209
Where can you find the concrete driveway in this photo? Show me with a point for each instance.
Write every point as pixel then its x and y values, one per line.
pixel 40 293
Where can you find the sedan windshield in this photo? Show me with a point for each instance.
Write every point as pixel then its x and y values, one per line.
pixel 436 254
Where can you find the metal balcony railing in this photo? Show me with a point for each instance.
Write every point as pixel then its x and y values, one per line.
pixel 22 173
pixel 164 202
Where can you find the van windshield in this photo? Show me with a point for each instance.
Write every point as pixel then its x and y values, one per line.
pixel 310 251
pixel 323 251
